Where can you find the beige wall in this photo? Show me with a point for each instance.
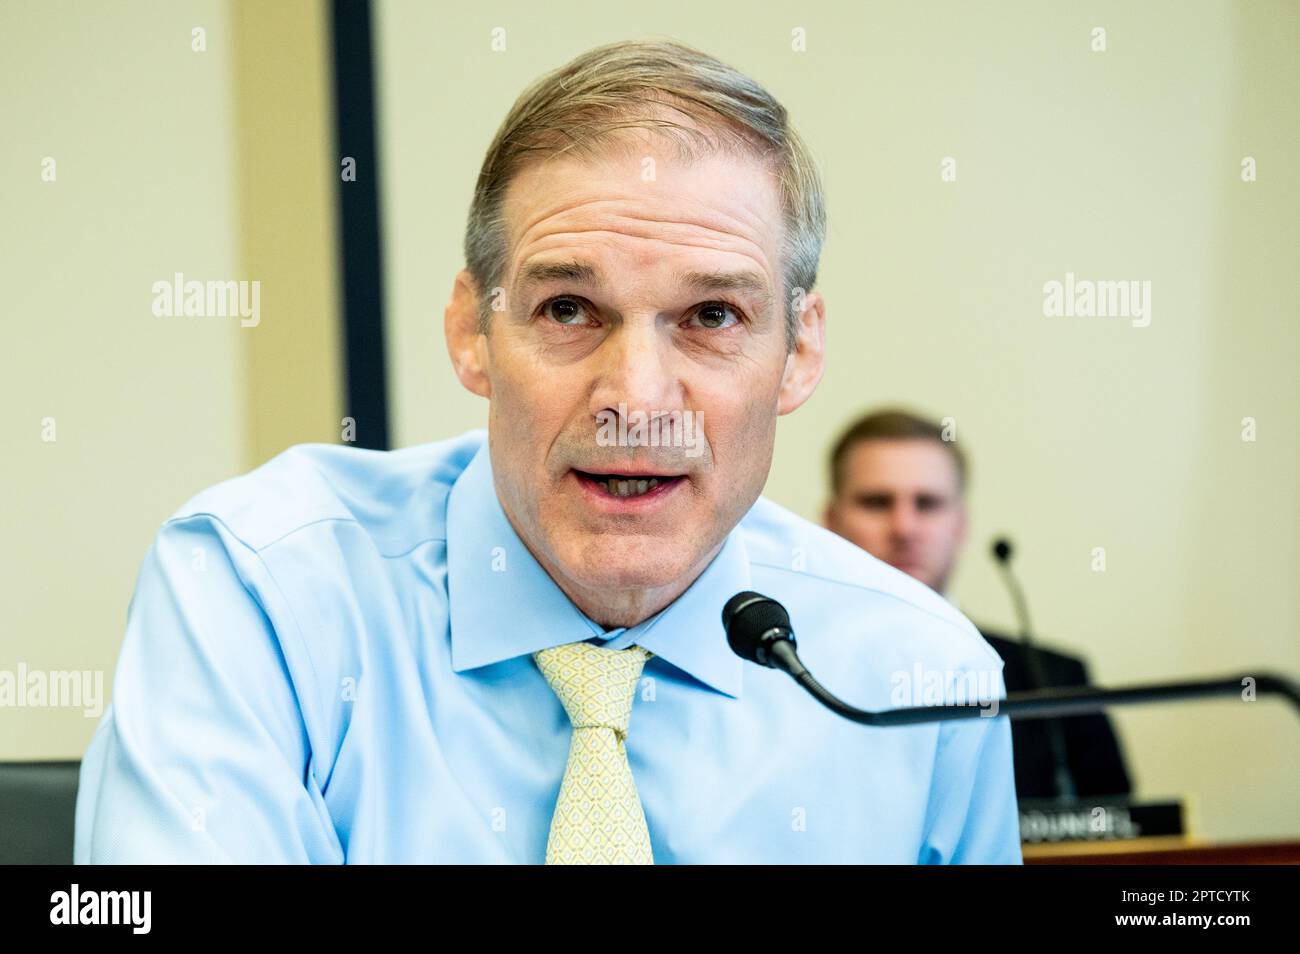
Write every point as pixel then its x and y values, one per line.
pixel 1083 432
pixel 288 167
pixel 146 409
pixel 215 164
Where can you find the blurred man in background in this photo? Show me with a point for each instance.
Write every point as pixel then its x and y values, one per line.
pixel 898 491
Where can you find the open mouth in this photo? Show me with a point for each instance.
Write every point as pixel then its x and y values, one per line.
pixel 629 485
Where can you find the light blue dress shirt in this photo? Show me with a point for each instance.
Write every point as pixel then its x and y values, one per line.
pixel 328 660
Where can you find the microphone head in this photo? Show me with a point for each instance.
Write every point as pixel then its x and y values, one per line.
pixel 1002 550
pixel 753 622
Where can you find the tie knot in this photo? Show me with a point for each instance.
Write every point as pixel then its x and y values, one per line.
pixel 595 685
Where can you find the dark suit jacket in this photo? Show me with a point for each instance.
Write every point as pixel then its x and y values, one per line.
pixel 1092 751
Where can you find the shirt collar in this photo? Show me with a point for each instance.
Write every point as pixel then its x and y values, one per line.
pixel 503 604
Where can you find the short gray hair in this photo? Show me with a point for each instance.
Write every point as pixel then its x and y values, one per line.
pixel 628 84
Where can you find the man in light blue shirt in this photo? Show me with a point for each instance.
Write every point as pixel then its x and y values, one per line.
pixel 330 659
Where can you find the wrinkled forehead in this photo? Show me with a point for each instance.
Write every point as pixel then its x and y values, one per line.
pixel 640 184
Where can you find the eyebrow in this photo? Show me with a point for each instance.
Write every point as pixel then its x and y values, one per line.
pixel 580 273
pixel 541 272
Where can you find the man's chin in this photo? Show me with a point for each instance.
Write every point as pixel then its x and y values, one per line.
pixel 614 562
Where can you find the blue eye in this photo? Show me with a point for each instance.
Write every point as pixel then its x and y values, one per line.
pixel 713 316
pixel 569 315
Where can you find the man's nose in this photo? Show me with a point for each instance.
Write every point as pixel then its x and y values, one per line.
pixel 637 369
pixel 903 522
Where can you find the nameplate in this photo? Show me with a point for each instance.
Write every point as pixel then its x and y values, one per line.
pixel 1045 821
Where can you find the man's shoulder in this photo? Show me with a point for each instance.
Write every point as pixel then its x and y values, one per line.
pixel 398 496
pixel 852 591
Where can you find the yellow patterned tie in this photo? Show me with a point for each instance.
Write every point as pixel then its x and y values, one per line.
pixel 598 818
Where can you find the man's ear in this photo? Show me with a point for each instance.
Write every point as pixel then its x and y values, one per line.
pixel 804 365
pixel 466 346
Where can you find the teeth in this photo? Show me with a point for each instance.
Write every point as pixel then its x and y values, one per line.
pixel 628 488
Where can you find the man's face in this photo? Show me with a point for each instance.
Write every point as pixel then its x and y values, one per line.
pixel 631 293
pixel 901 502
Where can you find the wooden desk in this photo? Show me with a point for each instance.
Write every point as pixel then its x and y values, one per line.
pixel 1171 850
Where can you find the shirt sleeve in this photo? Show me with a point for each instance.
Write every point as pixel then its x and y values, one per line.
pixel 203 754
pixel 973 816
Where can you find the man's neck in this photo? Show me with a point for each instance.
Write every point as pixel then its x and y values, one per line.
pixel 614 608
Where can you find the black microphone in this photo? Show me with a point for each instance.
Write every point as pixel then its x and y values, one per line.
pixel 759 630
pixel 1061 774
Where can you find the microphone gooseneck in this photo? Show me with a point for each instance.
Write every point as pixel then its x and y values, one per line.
pixel 758 629
pixel 1062 777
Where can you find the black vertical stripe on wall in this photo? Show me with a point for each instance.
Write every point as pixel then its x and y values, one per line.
pixel 360 251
